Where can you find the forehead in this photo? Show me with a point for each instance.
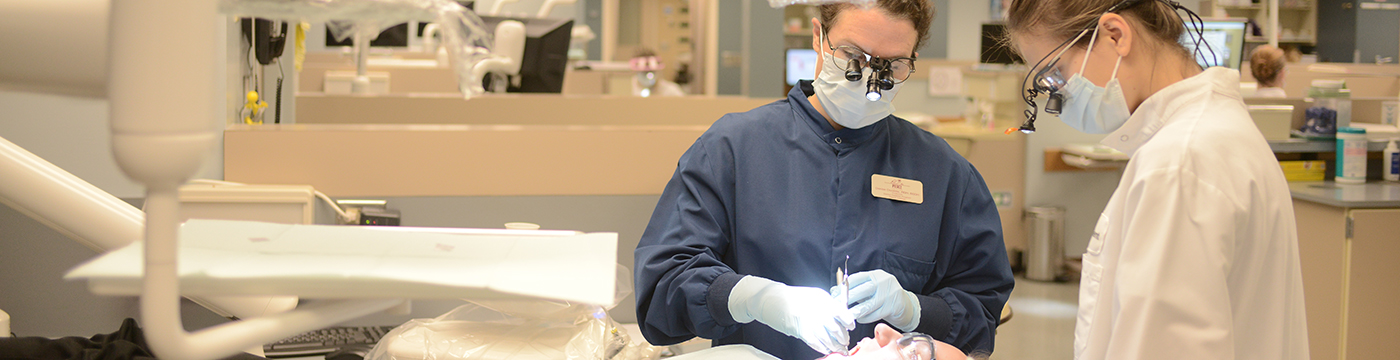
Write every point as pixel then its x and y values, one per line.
pixel 874 31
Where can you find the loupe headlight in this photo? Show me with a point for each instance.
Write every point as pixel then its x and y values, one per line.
pixel 880 79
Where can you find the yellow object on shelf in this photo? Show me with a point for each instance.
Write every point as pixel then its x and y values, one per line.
pixel 1310 170
pixel 253 109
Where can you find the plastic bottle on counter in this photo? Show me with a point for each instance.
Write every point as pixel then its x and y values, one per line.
pixel 1391 166
pixel 1330 109
pixel 1351 155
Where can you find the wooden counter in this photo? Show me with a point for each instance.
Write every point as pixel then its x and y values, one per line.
pixel 518 109
pixel 458 160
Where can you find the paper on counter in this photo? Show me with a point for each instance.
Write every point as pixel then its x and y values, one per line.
pixel 222 257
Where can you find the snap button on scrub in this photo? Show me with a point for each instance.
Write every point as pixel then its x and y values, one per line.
pixel 838 140
pixel 1123 138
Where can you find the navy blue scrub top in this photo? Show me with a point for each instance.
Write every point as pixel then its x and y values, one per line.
pixel 776 192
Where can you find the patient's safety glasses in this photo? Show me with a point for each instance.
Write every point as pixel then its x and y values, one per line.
pixel 915 346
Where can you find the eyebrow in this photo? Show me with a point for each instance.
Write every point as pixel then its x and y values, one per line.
pixel 867 52
pixel 845 42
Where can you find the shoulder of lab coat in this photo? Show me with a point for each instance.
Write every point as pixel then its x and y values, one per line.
pixel 1207 228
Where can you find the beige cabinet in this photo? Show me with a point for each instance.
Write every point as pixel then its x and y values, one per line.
pixel 1372 286
pixel 1349 279
pixel 998 158
pixel 1297 19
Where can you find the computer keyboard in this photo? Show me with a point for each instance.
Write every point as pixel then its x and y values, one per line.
pixel 324 341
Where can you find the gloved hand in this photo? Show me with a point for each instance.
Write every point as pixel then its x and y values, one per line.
pixel 806 313
pixel 880 297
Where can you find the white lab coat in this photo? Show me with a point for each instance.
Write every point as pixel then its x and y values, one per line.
pixel 1196 255
pixel 1270 92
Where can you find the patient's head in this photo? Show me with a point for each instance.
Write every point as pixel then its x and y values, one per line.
pixel 889 344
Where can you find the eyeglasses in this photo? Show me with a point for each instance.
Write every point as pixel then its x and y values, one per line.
pixel 915 346
pixel 897 70
pixel 1049 80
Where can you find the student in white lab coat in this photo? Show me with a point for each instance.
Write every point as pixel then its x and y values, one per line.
pixel 1196 254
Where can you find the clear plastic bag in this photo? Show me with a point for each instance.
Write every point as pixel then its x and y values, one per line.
pixel 464 35
pixel 782 3
pixel 517 329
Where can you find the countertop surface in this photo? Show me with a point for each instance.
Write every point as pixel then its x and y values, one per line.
pixel 965 131
pixel 1373 194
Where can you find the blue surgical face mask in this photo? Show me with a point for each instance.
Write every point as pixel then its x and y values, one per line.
pixel 845 101
pixel 1091 108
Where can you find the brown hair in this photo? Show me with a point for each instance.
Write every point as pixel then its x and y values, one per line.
pixel 1265 64
pixel 1065 19
pixel 919 12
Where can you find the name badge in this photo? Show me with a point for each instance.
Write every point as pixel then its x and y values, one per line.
pixel 893 188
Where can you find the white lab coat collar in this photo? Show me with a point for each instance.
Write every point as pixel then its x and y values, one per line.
pixel 1162 107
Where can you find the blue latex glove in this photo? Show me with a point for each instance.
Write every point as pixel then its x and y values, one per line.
pixel 809 314
pixel 879 296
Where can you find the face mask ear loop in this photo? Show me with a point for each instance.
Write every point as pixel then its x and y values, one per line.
pixel 1085 64
pixel 1115 68
pixel 1067 46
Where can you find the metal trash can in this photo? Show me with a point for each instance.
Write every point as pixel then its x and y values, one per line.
pixel 1045 245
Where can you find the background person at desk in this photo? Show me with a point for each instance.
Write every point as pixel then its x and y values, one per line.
pixel 1267 66
pixel 767 204
pixel 647 82
pixel 1196 254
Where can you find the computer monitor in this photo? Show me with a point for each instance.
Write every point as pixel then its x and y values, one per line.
pixel 993 50
pixel 546 53
pixel 1226 40
pixel 801 65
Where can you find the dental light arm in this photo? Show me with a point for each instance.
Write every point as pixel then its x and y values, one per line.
pixel 507 56
pixel 73 207
pixel 161 130
pixel 92 217
pixel 42 191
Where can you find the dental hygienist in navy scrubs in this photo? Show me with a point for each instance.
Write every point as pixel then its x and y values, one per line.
pixel 744 244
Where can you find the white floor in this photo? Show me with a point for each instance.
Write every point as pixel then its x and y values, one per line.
pixel 1042 322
